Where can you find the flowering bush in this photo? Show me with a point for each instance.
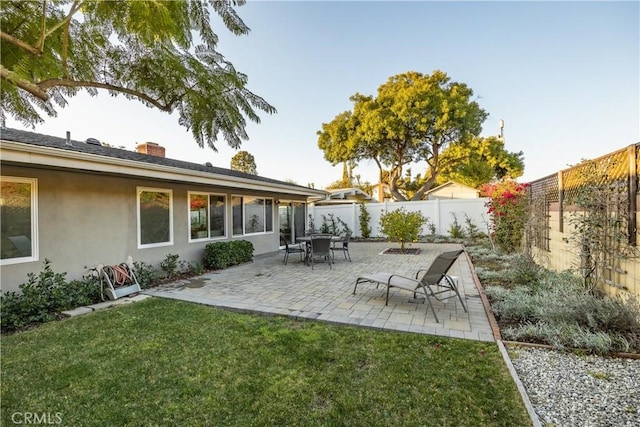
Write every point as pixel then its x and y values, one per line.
pixel 508 212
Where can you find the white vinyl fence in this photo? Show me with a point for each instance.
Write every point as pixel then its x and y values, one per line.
pixel 441 213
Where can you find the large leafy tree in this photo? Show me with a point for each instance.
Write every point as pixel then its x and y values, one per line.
pixel 244 161
pixel 162 53
pixel 413 118
pixel 480 161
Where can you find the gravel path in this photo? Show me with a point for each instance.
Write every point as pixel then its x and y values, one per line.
pixel 570 390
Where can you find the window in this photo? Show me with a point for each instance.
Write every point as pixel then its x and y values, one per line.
pixel 155 213
pixel 206 216
pixel 18 220
pixel 236 211
pixel 252 215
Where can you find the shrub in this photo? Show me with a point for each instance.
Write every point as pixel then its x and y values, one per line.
pixel 170 266
pixel 364 219
pixel 145 273
pixel 221 255
pixel 455 229
pixel 402 226
pixel 43 296
pixel 195 268
pixel 507 208
pixel 560 312
pixel 471 229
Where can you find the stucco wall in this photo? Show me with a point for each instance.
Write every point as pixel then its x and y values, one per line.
pixel 86 219
pixel 563 255
pixel 453 191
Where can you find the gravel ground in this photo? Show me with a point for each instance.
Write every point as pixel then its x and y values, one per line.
pixel 570 390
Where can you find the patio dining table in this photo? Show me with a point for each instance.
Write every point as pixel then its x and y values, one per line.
pixel 307 241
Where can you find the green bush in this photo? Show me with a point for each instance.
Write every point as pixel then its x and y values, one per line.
pixel 333 225
pixel 456 231
pixel 221 255
pixel 145 273
pixel 43 296
pixel 171 266
pixel 364 219
pixel 402 226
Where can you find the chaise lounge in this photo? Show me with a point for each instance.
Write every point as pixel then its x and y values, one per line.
pixel 424 282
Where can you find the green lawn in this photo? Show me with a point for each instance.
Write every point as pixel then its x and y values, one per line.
pixel 164 362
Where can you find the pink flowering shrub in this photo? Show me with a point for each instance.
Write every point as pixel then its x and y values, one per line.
pixel 508 212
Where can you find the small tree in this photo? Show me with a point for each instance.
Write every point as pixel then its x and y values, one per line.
pixel 244 161
pixel 402 226
pixel 364 219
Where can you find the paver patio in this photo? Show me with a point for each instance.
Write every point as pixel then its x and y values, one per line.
pixel 267 286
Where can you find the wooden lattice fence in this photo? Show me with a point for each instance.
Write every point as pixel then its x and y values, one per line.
pixel 613 179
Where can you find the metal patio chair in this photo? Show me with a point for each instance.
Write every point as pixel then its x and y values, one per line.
pixel 320 248
pixel 342 246
pixel 291 249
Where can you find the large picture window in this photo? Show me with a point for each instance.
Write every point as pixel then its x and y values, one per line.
pixel 155 217
pixel 18 220
pixel 252 215
pixel 206 216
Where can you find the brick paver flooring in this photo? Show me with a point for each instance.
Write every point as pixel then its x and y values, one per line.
pixel 269 287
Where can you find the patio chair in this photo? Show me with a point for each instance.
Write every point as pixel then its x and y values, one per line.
pixel 342 246
pixel 424 282
pixel 290 249
pixel 320 248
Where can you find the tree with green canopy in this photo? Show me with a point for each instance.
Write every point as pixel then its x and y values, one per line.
pixel 161 53
pixel 243 161
pixel 413 118
pixel 480 161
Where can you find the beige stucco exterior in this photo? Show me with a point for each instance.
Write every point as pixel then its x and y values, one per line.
pixel 452 190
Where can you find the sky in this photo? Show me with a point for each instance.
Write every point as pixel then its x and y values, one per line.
pixel 563 76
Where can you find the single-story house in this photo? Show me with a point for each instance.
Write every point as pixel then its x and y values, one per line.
pixel 79 204
pixel 452 190
pixel 342 195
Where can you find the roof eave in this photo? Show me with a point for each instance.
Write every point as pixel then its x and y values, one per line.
pixel 35 155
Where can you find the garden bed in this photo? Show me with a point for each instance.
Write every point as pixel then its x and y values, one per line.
pixel 398 251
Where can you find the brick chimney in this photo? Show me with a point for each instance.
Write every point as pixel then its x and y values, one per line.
pixel 150 148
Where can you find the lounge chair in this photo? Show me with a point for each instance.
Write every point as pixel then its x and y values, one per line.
pixel 424 282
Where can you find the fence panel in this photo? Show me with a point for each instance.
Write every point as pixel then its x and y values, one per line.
pixel 607 189
pixel 442 213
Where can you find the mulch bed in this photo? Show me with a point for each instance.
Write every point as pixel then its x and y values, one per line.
pixel 405 251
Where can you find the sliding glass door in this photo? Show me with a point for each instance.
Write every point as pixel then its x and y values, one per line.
pixel 292 217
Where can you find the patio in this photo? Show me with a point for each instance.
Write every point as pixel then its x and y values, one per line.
pixel 267 286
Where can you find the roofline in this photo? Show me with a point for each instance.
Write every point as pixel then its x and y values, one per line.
pixel 50 157
pixel 451 182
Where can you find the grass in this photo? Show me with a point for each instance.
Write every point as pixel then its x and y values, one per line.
pixel 164 362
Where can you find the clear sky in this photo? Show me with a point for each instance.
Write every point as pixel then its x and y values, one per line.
pixel 564 77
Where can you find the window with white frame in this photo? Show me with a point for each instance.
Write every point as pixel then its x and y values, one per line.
pixel 251 215
pixel 18 220
pixel 155 217
pixel 206 216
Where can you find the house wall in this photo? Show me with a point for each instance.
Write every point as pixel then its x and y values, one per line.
pixel 86 219
pixel 453 192
pixel 442 213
